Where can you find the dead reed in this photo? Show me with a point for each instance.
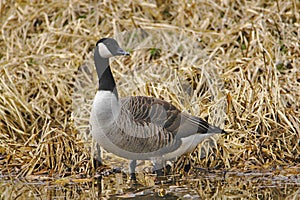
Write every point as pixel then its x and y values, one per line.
pixel 235 63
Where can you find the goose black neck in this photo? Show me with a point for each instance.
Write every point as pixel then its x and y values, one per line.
pixel 106 79
pixel 107 82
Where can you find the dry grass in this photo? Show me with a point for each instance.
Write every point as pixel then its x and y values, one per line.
pixel 235 63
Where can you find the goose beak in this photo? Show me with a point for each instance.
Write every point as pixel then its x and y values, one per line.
pixel 121 52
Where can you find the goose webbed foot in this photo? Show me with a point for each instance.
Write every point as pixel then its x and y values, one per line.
pixel 132 177
pixel 161 169
pixel 159 172
pixel 158 169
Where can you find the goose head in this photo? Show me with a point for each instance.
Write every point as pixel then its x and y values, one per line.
pixel 105 49
pixel 108 47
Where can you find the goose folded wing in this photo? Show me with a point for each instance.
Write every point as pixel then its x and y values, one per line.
pixel 149 110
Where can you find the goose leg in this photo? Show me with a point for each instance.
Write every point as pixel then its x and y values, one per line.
pixel 98 163
pixel 132 166
pixel 157 168
pixel 98 153
pixel 97 156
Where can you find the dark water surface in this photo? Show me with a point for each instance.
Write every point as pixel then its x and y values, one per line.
pixel 200 185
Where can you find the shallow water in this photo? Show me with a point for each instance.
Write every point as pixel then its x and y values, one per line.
pixel 199 185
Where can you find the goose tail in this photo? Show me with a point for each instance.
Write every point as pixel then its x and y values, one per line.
pixel 214 129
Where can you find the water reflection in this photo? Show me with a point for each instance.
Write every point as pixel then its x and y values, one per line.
pixel 198 185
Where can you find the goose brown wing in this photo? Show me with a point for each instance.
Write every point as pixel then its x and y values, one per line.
pixel 147 110
pixel 156 126
pixel 150 125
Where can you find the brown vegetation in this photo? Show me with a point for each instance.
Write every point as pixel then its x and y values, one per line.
pixel 235 63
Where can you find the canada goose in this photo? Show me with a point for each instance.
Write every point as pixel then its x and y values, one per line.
pixel 140 127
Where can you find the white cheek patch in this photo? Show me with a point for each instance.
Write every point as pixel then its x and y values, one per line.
pixel 103 51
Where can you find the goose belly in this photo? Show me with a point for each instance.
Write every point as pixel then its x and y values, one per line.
pixel 187 145
pixel 120 143
pixel 182 146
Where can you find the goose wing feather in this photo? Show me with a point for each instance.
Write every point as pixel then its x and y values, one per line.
pixel 154 125
pixel 150 110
